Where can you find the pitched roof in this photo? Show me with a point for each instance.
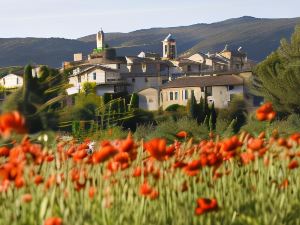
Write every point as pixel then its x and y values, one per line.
pixel 87 68
pixel 202 81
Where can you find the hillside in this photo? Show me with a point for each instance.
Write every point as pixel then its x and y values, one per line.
pixel 258 37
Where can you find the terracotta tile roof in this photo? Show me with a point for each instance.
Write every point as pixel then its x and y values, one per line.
pixel 202 81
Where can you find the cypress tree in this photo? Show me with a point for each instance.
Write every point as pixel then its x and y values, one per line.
pixel 213 116
pixel 206 107
pixel 200 111
pixel 191 107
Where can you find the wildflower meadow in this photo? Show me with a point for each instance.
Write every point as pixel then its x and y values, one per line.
pixel 243 179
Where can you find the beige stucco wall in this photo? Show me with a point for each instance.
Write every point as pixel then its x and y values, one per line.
pixel 138 83
pixel 11 81
pixel 221 96
pixel 149 99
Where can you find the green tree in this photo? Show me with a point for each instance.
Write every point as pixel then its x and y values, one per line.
pixel 89 88
pixel 192 107
pixel 278 76
pixel 213 117
pixel 39 99
pixel 200 111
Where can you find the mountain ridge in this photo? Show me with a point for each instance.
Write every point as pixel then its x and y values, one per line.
pixel 258 37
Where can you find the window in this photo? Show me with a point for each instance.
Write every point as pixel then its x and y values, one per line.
pixel 146 79
pixel 208 90
pixel 4 81
pixel 186 94
pixel 161 97
pixel 133 80
pixel 17 80
pixel 171 96
pixel 166 49
pixel 119 66
pixel 230 87
pixel 150 100
pixel 164 81
pixel 94 76
pixel 189 68
pixel 176 95
pixel 79 79
pixel 202 89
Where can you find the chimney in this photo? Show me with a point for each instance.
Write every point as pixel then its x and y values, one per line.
pixel 77 57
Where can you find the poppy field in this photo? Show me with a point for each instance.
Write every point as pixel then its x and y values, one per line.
pixel 244 179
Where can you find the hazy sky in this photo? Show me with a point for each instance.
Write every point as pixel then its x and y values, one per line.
pixel 76 18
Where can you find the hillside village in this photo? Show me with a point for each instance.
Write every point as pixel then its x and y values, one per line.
pixel 159 81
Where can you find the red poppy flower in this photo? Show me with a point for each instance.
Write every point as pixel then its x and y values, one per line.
pixel 145 189
pixel 92 192
pixel 293 164
pixel 104 154
pixel 38 179
pixel 182 134
pixel 4 151
pixel 27 198
pixel 206 205
pixel 53 221
pixel 265 112
pixel 12 122
pixel 256 144
pixel 284 184
pixel 157 148
pixel 247 157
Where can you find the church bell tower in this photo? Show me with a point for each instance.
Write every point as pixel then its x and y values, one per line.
pixel 169 47
pixel 100 40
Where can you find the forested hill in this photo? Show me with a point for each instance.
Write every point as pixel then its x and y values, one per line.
pixel 258 37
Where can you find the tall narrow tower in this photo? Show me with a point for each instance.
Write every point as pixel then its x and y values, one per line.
pixel 169 47
pixel 100 40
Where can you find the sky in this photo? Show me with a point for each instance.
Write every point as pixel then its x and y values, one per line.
pixel 78 18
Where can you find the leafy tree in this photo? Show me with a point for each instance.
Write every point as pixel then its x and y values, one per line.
pixel 278 76
pixel 89 87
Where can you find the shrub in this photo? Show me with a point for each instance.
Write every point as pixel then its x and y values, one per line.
pixel 174 108
pixel 169 128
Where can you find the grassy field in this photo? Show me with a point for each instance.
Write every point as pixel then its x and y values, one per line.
pixel 243 179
